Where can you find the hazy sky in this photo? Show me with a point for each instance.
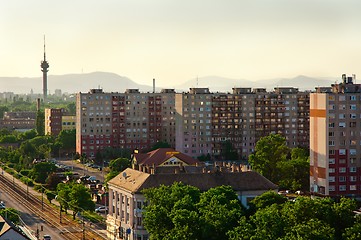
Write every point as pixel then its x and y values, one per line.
pixel 176 40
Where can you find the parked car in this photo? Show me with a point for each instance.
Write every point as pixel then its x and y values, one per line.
pixel 46 237
pixel 2 205
pixel 91 179
pixel 101 209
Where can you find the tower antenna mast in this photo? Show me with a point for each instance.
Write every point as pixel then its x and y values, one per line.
pixel 44 68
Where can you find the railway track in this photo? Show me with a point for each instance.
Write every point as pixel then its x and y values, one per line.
pixel 69 229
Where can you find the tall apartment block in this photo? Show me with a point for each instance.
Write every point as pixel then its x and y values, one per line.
pixel 130 120
pixel 196 123
pixel 244 116
pixel 335 139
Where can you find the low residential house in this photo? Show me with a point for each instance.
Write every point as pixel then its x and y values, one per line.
pixel 9 231
pixel 162 157
pixel 126 201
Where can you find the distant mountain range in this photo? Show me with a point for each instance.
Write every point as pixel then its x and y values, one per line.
pixel 110 82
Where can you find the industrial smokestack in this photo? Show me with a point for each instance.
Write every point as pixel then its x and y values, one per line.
pixel 153 85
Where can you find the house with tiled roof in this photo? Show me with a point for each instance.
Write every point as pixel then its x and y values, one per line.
pixel 163 157
pixel 9 231
pixel 126 201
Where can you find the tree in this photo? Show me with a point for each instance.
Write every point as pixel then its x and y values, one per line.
pixel 265 200
pixel 71 107
pixel 219 211
pixel 289 168
pixel 354 232
pixel 50 195
pixel 269 151
pixel 66 139
pixel 52 181
pixel 8 139
pixel 295 171
pixel 167 203
pixel 160 144
pixel 228 151
pixel 40 123
pixel 63 196
pixel 11 214
pixel 80 199
pixel 183 212
pixel 116 166
pixel 42 170
pixel 119 164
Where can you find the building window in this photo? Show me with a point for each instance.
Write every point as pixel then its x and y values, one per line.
pixel 353 178
pixel 353 188
pixel 331 161
pixel 342 161
pixel 353 169
pixel 331 188
pixel 353 152
pixel 342 124
pixel 342 187
pixel 331 179
pixel 342 170
pixel 342 151
pixel 331 170
pixel 331 143
pixel 342 179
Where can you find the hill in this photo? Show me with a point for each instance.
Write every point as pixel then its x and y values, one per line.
pixel 110 82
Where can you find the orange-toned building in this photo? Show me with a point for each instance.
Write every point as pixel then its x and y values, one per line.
pixel 335 139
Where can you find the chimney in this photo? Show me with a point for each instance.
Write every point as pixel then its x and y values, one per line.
pixel 153 85
pixel 38 104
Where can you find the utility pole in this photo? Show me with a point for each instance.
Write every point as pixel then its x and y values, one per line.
pixel 42 197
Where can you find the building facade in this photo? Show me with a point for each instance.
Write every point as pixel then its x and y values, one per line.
pixel 335 139
pixel 130 120
pixel 197 123
pixel 57 119
pixel 126 201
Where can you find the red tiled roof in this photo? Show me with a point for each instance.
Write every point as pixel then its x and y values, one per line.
pixel 160 155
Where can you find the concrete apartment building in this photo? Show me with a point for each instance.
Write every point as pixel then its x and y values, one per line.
pixel 129 120
pixel 56 120
pixel 244 116
pixel 196 123
pixel 335 139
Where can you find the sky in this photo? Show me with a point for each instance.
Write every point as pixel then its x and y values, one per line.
pixel 178 40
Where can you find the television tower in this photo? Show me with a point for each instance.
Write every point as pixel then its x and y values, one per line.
pixel 44 68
